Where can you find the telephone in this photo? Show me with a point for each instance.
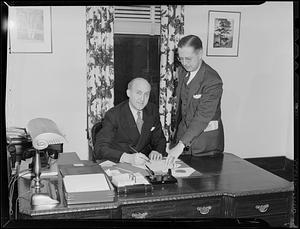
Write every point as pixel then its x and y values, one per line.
pixel 19 144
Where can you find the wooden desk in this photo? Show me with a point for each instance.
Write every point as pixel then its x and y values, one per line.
pixel 229 188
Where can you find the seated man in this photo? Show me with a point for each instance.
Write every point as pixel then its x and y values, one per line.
pixel 131 131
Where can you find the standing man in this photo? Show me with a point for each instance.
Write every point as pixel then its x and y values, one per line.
pixel 199 129
pixel 131 131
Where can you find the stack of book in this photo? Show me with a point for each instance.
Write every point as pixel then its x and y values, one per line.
pixel 86 183
pixel 17 135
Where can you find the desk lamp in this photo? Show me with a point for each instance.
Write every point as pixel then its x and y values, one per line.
pixel 43 132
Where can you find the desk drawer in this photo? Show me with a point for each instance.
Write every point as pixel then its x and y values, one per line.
pixel 102 214
pixel 153 210
pixel 207 207
pixel 199 208
pixel 259 207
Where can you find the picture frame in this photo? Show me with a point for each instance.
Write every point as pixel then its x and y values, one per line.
pixel 30 29
pixel 223 33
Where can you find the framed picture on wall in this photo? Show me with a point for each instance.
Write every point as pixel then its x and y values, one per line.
pixel 30 29
pixel 223 33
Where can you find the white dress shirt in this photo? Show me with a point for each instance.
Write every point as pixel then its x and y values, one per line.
pixel 134 112
pixel 193 73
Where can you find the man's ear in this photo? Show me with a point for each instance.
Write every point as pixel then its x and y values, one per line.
pixel 128 93
pixel 200 53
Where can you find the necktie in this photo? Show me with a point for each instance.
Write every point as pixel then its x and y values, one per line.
pixel 139 121
pixel 187 77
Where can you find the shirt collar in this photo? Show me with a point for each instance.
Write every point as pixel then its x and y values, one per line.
pixel 194 72
pixel 134 111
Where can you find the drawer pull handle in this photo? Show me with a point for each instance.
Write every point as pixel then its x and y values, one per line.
pixel 262 208
pixel 204 210
pixel 139 215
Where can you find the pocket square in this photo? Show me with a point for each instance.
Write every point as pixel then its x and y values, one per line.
pixel 197 96
pixel 152 128
pixel 212 125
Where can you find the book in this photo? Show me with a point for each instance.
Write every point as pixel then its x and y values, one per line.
pixel 67 158
pixel 127 179
pixel 86 182
pixel 130 182
pixel 87 188
pixel 80 167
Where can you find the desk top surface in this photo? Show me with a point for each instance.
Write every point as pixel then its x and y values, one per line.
pixel 225 174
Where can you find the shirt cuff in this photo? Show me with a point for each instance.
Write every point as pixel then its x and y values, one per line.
pixel 123 158
pixel 181 142
pixel 185 142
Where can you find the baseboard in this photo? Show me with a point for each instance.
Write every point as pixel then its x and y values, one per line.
pixel 280 165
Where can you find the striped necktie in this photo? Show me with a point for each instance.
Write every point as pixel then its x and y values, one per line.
pixel 187 77
pixel 139 121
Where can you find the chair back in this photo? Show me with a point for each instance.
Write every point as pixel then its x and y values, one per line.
pixel 95 129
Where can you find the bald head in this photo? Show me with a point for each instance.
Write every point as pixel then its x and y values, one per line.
pixel 138 81
pixel 138 92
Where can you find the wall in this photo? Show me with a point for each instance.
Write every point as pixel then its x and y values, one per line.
pixel 258 84
pixel 53 85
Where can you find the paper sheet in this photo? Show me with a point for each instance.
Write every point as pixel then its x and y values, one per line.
pixel 85 183
pixel 107 163
pixel 177 170
pixel 158 165
pixel 112 172
pixel 182 172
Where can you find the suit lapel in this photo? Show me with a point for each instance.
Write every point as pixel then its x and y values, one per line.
pixel 148 121
pixel 180 83
pixel 129 124
pixel 194 84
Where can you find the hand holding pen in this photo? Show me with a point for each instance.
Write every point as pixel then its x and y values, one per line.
pixel 152 174
pixel 139 158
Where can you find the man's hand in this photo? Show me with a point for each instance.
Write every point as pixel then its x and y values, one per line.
pixel 173 154
pixel 154 155
pixel 134 159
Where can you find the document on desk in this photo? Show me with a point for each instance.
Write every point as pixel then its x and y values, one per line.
pixel 107 163
pixel 180 169
pixel 158 165
pixel 183 172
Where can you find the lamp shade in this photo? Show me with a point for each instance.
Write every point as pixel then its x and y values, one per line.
pixel 44 132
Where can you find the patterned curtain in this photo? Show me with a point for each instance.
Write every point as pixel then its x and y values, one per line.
pixel 172 21
pixel 100 63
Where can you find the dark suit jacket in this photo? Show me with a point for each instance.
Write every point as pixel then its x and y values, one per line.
pixel 201 111
pixel 119 130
